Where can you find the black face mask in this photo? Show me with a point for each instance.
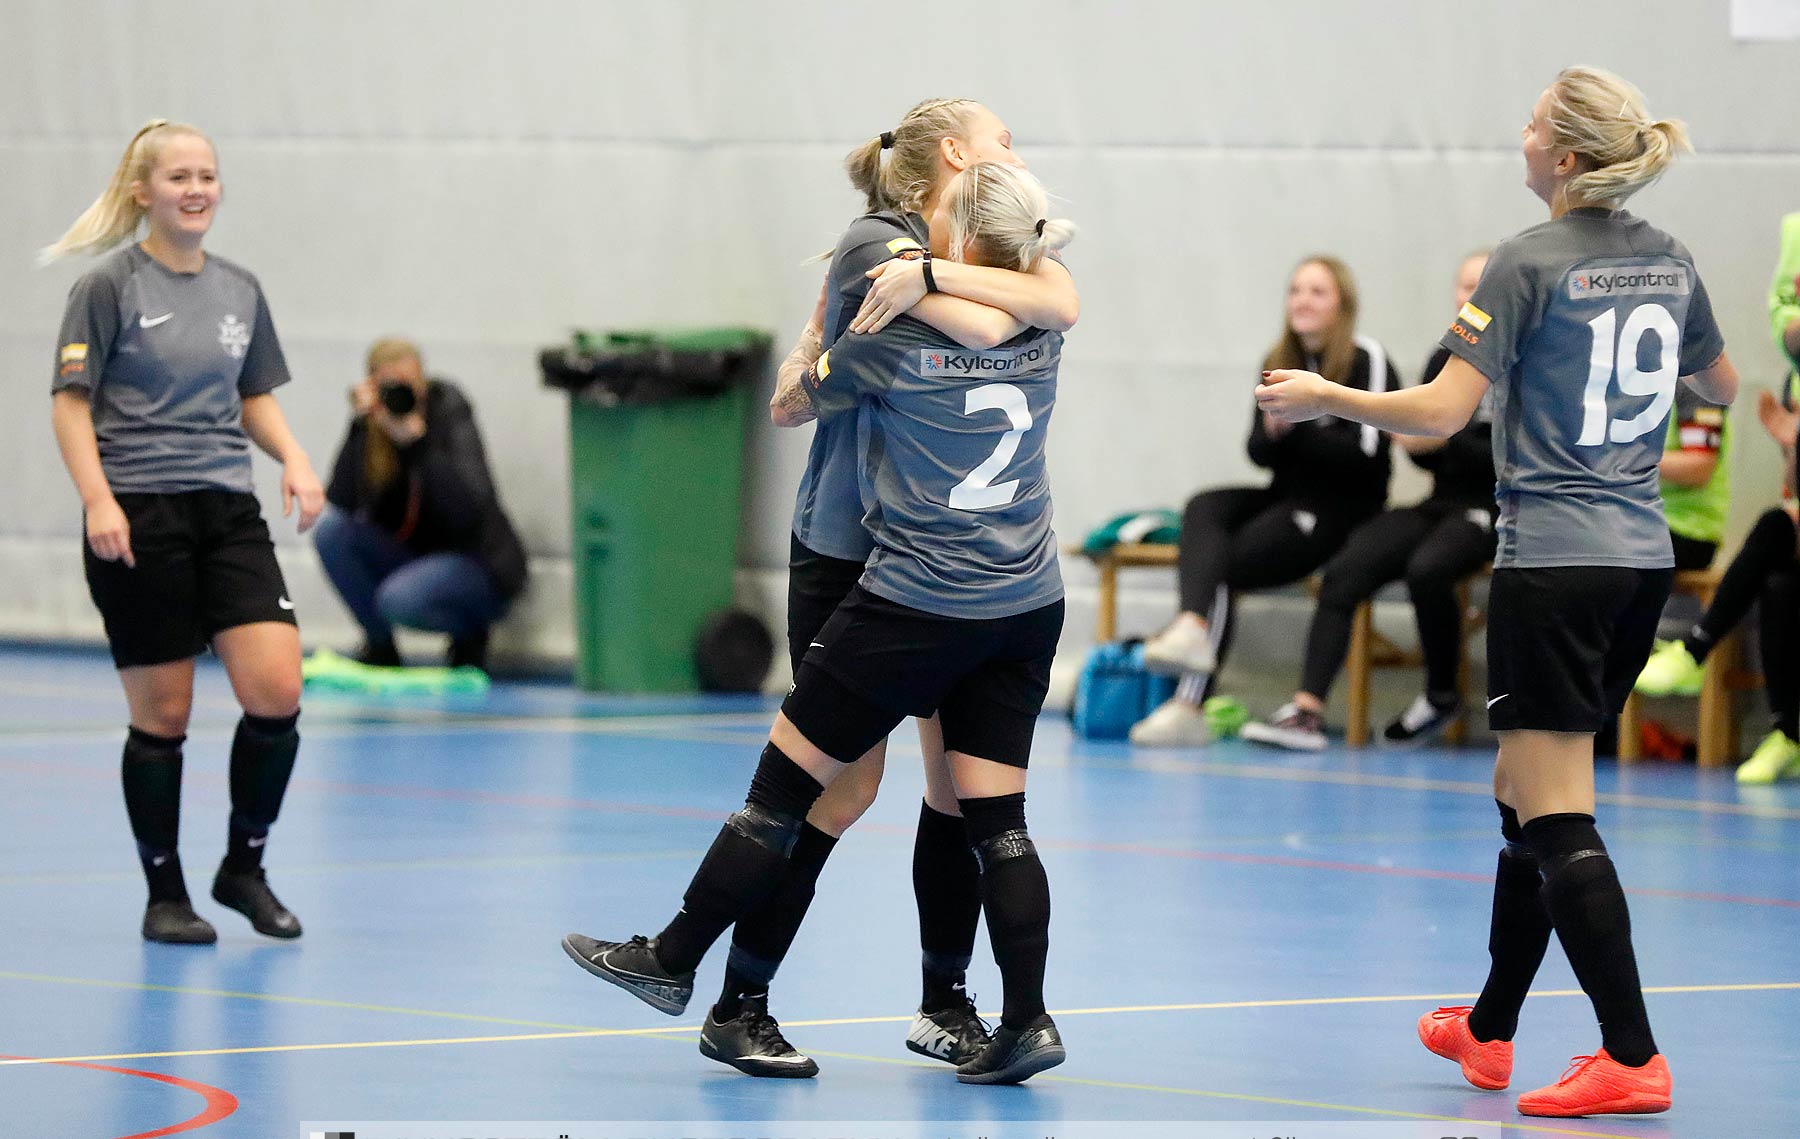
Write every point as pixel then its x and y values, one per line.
pixel 399 398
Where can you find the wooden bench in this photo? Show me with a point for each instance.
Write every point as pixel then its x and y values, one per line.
pixel 1717 745
pixel 1369 650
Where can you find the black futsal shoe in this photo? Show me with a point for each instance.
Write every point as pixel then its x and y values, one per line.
pixel 248 893
pixel 1016 1054
pixel 176 923
pixel 954 1035
pixel 753 1044
pixel 632 965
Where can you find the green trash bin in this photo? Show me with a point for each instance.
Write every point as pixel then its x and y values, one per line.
pixel 656 442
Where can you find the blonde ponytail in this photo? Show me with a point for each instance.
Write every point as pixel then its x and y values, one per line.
pixel 997 217
pixel 905 179
pixel 1602 118
pixel 115 214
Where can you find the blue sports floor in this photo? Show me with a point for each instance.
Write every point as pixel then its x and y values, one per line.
pixel 1238 934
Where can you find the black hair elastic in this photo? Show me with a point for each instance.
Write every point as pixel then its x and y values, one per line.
pixel 1040 226
pixel 930 281
pixel 887 140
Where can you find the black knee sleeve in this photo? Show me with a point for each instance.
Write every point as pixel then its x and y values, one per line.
pixel 1562 841
pixel 262 762
pixel 781 793
pixel 996 828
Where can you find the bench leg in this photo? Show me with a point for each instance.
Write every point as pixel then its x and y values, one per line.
pixel 1718 727
pixel 1356 733
pixel 1108 625
pixel 1631 735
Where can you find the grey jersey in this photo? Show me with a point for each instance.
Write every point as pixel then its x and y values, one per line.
pixel 1583 324
pixel 828 513
pixel 166 359
pixel 954 476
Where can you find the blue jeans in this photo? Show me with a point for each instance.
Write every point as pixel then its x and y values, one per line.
pixel 384 584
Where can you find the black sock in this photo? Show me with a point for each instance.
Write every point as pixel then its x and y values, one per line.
pixel 151 774
pixel 1015 893
pixel 1587 905
pixel 745 862
pixel 762 937
pixel 947 888
pixel 262 762
pixel 1518 935
pixel 1780 655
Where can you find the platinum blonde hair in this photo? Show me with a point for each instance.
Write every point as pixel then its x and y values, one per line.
pixel 999 216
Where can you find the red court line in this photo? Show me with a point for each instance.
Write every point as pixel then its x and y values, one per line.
pixel 219 1103
pixel 512 799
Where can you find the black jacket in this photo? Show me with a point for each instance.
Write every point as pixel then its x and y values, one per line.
pixel 443 498
pixel 1463 468
pixel 1324 462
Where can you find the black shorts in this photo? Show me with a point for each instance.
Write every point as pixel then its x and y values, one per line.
pixel 1565 644
pixel 204 563
pixel 877 662
pixel 817 585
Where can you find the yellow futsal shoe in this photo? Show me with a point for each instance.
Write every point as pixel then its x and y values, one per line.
pixel 1671 671
pixel 1777 757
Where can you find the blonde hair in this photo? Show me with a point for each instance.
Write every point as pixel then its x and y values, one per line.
pixel 1602 118
pixel 1338 355
pixel 907 178
pixel 381 459
pixel 997 216
pixel 115 214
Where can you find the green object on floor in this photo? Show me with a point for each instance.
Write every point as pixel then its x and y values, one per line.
pixel 326 671
pixel 1225 716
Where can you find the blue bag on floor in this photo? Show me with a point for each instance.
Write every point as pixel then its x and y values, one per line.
pixel 1115 692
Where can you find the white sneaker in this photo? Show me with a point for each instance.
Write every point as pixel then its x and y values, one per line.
pixel 1175 723
pixel 1179 648
pixel 1291 727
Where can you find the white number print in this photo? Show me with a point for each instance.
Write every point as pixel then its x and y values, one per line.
pixel 1607 359
pixel 977 492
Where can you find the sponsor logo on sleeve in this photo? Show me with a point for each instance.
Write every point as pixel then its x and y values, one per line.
pixel 815 375
pixel 73 358
pixel 960 363
pixel 1473 317
pixel 901 244
pixel 1629 281
pixel 1710 416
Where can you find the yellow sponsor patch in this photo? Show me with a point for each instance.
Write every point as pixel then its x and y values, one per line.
pixel 823 367
pixel 1710 416
pixel 74 353
pixel 901 244
pixel 1474 318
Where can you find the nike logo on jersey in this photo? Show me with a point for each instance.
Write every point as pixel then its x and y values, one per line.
pixel 147 322
pixel 1498 698
pixel 159 860
pixel 253 843
pixel 285 603
pixel 815 645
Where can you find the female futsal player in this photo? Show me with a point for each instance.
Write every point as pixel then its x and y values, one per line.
pixel 165 372
pixel 1582 325
pixel 958 612
pixel 900 174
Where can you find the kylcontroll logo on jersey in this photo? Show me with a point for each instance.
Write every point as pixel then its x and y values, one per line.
pixel 1632 281
pixel 997 362
pixel 234 334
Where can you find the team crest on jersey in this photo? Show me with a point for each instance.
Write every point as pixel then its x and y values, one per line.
pixel 234 334
pixel 998 362
pixel 1631 281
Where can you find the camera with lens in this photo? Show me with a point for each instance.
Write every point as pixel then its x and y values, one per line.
pixel 398 397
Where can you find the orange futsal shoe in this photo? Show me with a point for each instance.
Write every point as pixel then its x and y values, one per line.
pixel 1600 1085
pixel 1487 1065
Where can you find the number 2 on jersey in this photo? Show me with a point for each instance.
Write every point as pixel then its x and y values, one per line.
pixel 976 491
pixel 1607 358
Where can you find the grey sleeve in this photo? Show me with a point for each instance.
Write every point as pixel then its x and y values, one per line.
pixel 1701 341
pixel 856 367
pixel 265 368
pixel 90 327
pixel 1491 330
